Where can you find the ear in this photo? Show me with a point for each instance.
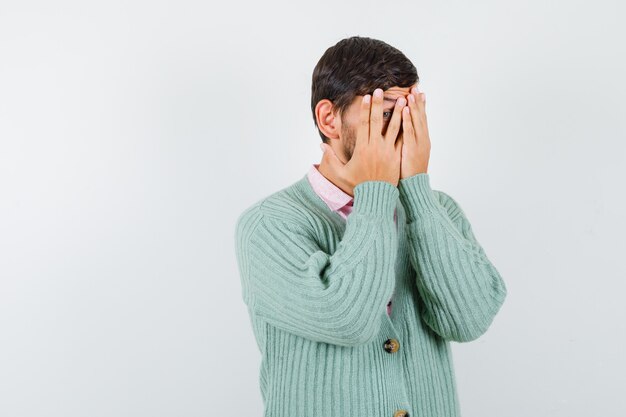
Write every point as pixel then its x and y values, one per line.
pixel 328 122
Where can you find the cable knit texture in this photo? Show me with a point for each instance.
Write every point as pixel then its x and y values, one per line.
pixel 316 287
pixel 336 199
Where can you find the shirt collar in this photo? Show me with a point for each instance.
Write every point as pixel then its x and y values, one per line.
pixel 334 196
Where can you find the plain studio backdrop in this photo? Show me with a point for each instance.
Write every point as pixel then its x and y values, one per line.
pixel 133 133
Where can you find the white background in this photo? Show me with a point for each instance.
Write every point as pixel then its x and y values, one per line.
pixel 132 134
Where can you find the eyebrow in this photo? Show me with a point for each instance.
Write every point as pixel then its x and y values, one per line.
pixel 391 100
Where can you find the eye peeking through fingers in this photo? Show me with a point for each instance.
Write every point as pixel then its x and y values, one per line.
pixel 389 112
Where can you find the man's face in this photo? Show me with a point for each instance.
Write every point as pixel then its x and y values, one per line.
pixel 350 118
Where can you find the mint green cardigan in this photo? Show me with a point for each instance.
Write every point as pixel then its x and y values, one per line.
pixel 316 287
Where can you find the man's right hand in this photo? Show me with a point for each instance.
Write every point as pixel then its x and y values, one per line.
pixel 376 157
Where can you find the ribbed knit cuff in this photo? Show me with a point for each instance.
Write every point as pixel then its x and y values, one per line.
pixel 375 197
pixel 416 195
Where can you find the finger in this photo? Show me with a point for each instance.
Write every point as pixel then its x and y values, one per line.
pixel 418 111
pixel 414 96
pixel 407 126
pixel 396 120
pixel 376 115
pixel 363 129
pixel 421 104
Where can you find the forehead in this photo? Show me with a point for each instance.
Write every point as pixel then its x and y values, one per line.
pixel 389 96
pixel 392 94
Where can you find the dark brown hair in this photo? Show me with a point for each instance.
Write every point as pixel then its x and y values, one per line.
pixel 356 66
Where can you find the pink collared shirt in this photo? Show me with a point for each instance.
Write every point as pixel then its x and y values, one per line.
pixel 335 198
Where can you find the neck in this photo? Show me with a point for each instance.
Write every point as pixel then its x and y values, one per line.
pixel 345 187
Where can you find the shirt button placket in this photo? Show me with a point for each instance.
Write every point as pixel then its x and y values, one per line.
pixel 392 346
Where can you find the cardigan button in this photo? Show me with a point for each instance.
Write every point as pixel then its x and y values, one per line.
pixel 391 345
pixel 401 413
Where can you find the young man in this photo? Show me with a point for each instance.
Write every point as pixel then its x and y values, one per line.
pixel 358 276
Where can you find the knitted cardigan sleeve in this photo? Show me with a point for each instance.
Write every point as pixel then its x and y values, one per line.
pixel 460 288
pixel 292 284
